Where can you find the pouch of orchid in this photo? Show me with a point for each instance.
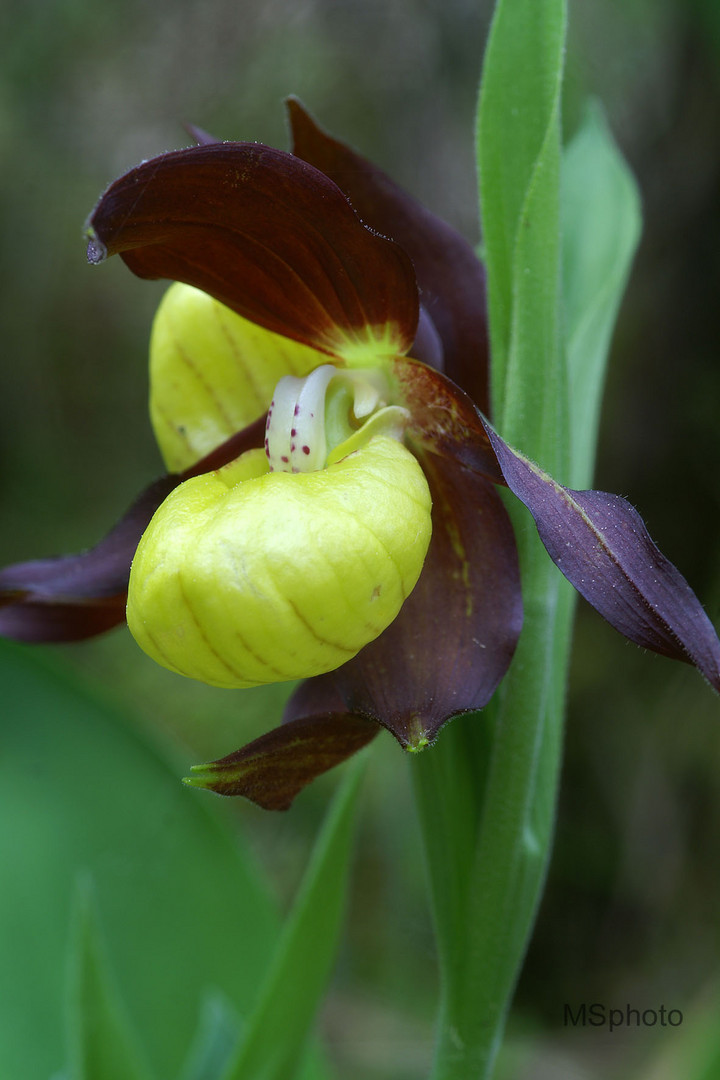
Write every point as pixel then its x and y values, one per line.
pixel 319 392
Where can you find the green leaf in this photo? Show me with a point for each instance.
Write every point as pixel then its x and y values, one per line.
pixel 518 146
pixel 549 395
pixel 448 781
pixel 601 221
pixel 279 1027
pixel 539 383
pixel 215 1040
pixel 103 1045
pixel 182 906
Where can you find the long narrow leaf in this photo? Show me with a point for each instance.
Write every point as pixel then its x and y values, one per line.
pixel 278 1029
pixel 519 168
pixel 538 384
pixel 601 227
pixel 214 1041
pixel 518 163
pixel 448 784
pixel 102 1043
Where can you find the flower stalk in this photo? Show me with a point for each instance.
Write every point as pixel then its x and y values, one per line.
pixel 502 863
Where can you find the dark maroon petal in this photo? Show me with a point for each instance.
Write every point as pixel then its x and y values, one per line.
pixel 313 697
pixel 77 596
pixel 428 345
pixel 268 235
pixel 601 545
pixel 101 572
pixel 454 638
pixel 53 621
pixel 272 770
pixel 450 277
pixel 444 419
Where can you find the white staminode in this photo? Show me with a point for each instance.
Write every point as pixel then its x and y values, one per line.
pixel 306 419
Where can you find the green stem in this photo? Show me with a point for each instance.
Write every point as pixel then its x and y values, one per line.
pixel 487 878
pixel 514 842
pixel 448 782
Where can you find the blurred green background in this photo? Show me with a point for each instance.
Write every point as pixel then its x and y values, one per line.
pixel 87 89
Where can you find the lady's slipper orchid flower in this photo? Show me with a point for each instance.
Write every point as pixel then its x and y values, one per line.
pixel 306 374
pixel 266 570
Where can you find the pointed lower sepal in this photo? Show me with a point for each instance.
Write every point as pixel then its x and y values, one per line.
pixel 601 545
pixel 273 769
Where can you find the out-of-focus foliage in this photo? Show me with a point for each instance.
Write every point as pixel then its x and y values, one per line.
pixel 84 795
pixel 87 90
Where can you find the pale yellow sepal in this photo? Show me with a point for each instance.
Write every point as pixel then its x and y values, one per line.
pixel 212 372
pixel 246 577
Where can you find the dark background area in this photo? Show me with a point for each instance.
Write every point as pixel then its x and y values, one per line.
pixel 89 89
